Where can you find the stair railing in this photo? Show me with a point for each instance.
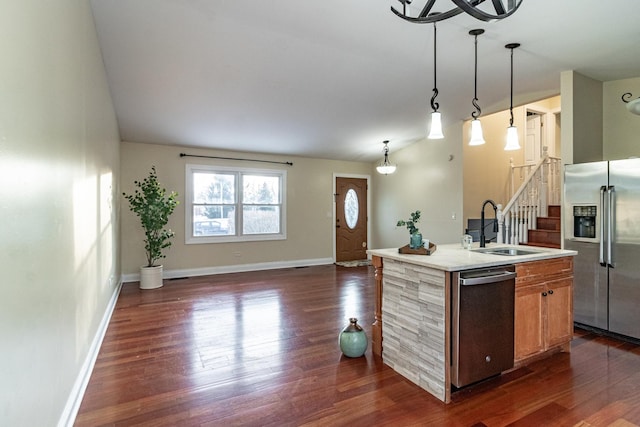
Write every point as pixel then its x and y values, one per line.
pixel 540 188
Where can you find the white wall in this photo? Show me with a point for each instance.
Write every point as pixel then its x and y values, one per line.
pixel 426 180
pixel 595 122
pixel 487 168
pixel 621 128
pixel 429 179
pixel 310 224
pixel 58 204
pixel 581 118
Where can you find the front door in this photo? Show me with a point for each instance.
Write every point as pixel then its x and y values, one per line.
pixel 351 219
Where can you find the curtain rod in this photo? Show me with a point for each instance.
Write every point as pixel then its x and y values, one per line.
pixel 235 158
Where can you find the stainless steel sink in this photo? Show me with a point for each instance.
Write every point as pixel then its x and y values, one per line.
pixel 505 251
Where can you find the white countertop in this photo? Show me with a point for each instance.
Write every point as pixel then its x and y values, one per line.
pixel 452 257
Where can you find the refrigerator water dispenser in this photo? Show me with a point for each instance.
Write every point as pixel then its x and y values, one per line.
pixel 584 221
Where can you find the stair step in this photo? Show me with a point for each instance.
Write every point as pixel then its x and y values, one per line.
pixel 553 211
pixel 548 223
pixel 547 238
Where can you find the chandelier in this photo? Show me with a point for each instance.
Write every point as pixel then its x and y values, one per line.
pixel 489 11
pixel 386 167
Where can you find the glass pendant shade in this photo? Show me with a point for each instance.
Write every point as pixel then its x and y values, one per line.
pixel 386 169
pixel 634 106
pixel 476 133
pixel 513 142
pixel 436 126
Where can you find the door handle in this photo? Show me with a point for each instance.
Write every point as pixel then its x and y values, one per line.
pixel 611 193
pixel 506 275
pixel 602 219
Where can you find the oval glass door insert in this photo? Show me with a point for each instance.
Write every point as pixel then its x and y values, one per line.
pixel 351 208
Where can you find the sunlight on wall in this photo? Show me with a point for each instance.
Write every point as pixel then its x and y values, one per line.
pixel 30 212
pixel 84 217
pixel 107 216
pixel 106 199
pixel 32 175
pixel 93 218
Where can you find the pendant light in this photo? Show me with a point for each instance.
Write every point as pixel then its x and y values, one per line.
pixel 512 132
pixel 632 106
pixel 386 167
pixel 476 128
pixel 436 119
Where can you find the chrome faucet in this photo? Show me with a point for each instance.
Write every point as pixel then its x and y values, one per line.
pixel 495 222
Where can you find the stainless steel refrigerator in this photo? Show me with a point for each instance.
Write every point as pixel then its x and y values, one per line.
pixel 602 223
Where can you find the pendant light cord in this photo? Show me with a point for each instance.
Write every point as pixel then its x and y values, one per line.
pixel 511 100
pixel 386 154
pixel 478 111
pixel 511 46
pixel 434 104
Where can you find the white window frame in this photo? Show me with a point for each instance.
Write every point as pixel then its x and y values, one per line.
pixel 238 172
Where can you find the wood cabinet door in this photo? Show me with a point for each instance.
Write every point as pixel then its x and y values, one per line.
pixel 528 321
pixel 559 301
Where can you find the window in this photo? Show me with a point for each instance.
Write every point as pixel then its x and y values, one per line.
pixel 234 204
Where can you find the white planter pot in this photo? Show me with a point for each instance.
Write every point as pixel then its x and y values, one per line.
pixel 151 277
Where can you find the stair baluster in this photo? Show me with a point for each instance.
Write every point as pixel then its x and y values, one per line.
pixel 540 188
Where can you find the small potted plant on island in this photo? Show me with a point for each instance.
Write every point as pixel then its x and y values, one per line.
pixel 415 237
pixel 151 203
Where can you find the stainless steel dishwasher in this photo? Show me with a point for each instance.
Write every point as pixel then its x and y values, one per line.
pixel 482 323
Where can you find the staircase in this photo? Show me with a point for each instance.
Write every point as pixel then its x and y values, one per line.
pixel 547 231
pixel 532 216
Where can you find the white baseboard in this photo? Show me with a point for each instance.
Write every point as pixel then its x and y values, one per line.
pixel 238 268
pixel 70 411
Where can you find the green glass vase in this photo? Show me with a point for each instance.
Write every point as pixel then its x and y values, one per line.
pixel 415 241
pixel 353 339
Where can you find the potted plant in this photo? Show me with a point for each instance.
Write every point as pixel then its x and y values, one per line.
pixel 151 203
pixel 415 237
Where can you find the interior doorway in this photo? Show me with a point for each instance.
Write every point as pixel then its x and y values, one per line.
pixel 351 218
pixel 534 139
pixel 542 134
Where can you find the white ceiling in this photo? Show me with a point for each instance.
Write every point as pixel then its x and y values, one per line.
pixel 333 79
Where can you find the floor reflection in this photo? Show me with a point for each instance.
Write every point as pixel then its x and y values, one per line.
pixel 237 332
pixel 351 300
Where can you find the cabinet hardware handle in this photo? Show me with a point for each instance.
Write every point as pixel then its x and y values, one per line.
pixel 550 291
pixel 544 294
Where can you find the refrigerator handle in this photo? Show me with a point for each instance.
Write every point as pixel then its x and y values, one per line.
pixel 603 204
pixel 611 193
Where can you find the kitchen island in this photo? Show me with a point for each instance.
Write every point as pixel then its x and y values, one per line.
pixel 413 308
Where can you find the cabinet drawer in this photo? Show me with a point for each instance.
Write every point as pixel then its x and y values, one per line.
pixel 529 273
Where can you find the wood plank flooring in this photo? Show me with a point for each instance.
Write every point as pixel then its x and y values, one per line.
pixel 260 349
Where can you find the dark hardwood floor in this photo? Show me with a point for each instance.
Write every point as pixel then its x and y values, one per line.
pixel 261 349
